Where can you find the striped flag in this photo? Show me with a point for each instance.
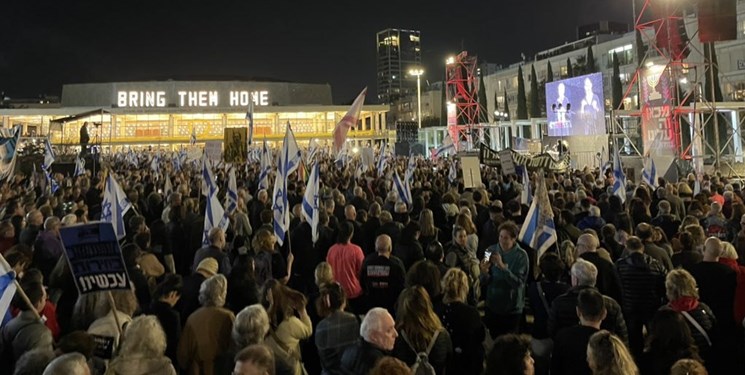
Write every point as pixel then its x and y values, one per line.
pixel 527 195
pixel 79 166
pixel 649 174
pixel 410 168
pixel 403 189
pixel 619 186
pixel 48 154
pixel 453 171
pixel 447 146
pixel 289 158
pixel 310 201
pixel 312 151
pixel 7 286
pixel 348 121
pixel 538 230
pixel 8 141
pixel 114 206
pixel 209 184
pixel 383 158
pixel 232 195
pixel 214 217
pixel 168 187
pixel 250 119
pixel 265 167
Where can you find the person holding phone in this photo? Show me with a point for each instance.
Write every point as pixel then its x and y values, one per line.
pixel 504 272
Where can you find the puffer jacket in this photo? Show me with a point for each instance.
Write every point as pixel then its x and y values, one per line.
pixel 563 313
pixel 705 318
pixel 140 365
pixel 643 282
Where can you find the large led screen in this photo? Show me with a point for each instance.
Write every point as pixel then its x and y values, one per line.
pixel 575 106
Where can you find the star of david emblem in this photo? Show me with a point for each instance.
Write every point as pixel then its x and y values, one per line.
pixel 106 212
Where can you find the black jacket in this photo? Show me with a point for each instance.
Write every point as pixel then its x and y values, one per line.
pixel 563 314
pixel 360 358
pixel 608 282
pixel 643 283
pixel 170 320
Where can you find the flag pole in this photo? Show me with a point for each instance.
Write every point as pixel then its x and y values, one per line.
pixel 25 298
pixel 114 312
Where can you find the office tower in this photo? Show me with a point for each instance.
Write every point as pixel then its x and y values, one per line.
pixel 398 52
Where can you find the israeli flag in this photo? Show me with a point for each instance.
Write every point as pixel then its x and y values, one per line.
pixel 289 158
pixel 114 206
pixel 232 195
pixel 538 230
pixel 132 159
pixel 168 188
pixel 410 168
pixel 265 167
pixel 7 286
pixel 649 174
pixel 155 164
pixel 527 195
pixel 48 154
pixel 209 184
pixel 79 166
pixel 250 119
pixel 312 151
pixel 447 146
pixel 403 189
pixel 619 186
pixel 383 159
pixel 453 172
pixel 310 201
pixel 214 217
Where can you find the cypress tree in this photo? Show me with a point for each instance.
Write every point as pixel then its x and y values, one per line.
pixel 590 61
pixel 570 73
pixel 549 73
pixel 506 103
pixel 535 106
pixel 522 105
pixel 483 109
pixel 616 87
pixel 640 50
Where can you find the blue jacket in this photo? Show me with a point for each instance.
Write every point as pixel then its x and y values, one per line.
pixel 505 290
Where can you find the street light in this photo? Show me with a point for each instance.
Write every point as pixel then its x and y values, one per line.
pixel 418 73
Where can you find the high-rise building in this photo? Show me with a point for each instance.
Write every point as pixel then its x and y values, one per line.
pixel 398 52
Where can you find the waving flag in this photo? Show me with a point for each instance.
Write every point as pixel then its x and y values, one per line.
pixel 453 172
pixel 155 164
pixel 289 158
pixel 209 184
pixel 619 186
pixel 527 195
pixel 214 217
pixel 410 168
pixel 168 187
pixel 538 230
pixel 8 142
pixel 342 158
pixel 7 286
pixel 48 154
pixel 265 167
pixel 114 206
pixel 312 151
pixel 232 195
pixel 348 121
pixel 649 174
pixel 383 158
pixel 310 201
pixel 79 166
pixel 250 119
pixel 447 146
pixel 132 159
pixel 403 189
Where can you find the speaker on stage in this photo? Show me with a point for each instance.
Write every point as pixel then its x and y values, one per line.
pixel 717 20
pixel 402 149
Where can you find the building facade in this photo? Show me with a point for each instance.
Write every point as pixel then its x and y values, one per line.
pixel 398 51
pixel 165 114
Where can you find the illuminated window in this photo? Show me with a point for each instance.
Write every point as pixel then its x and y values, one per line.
pixel 414 38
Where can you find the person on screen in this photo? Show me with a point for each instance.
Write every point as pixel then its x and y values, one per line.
pixel 590 103
pixel 561 107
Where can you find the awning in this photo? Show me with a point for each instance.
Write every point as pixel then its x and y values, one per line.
pixel 56 124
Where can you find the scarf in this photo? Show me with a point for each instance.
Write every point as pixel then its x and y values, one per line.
pixel 684 303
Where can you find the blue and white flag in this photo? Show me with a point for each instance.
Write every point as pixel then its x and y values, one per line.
pixel 132 159
pixel 649 174
pixel 619 186
pixel 79 166
pixel 527 195
pixel 214 217
pixel 48 154
pixel 310 201
pixel 265 167
pixel 209 184
pixel 312 151
pixel 8 142
pixel 453 171
pixel 403 189
pixel 7 286
pixel 168 186
pixel 51 182
pixel 250 119
pixel 410 168
pixel 114 206
pixel 383 158
pixel 538 230
pixel 289 158
pixel 342 158
pixel 447 146
pixel 232 195
pixel 193 137
pixel 155 164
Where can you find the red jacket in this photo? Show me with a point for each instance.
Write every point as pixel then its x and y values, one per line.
pixel 50 318
pixel 740 290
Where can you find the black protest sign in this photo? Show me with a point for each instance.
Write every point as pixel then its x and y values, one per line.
pixel 95 258
pixel 104 346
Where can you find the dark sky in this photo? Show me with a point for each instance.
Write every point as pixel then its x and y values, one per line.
pixel 46 43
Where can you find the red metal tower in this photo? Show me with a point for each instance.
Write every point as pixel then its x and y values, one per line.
pixel 462 86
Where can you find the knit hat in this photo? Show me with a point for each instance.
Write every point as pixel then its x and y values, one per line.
pixel 208 265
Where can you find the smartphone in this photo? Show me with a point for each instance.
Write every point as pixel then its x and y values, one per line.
pixel 487 256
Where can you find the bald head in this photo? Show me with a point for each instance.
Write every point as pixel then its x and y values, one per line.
pixel 383 245
pixel 712 249
pixel 350 212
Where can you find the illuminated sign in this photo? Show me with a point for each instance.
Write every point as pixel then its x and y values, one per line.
pixel 188 98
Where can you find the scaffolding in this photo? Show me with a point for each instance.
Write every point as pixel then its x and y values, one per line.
pixel 697 127
pixel 462 87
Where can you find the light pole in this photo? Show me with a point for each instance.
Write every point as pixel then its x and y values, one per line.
pixel 418 73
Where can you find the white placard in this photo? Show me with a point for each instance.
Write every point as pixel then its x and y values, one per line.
pixel 213 150
pixel 508 165
pixel 471 171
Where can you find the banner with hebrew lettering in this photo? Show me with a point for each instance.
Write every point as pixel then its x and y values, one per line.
pixel 94 257
pixel 660 134
pixel 488 156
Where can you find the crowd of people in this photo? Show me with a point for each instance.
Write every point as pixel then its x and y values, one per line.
pixel 649 283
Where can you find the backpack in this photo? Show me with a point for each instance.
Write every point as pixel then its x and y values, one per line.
pixel 421 365
pixel 262 267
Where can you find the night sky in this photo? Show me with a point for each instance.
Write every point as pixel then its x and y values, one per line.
pixel 46 43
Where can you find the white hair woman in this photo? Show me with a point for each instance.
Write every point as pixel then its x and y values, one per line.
pixel 105 323
pixel 207 330
pixel 143 349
